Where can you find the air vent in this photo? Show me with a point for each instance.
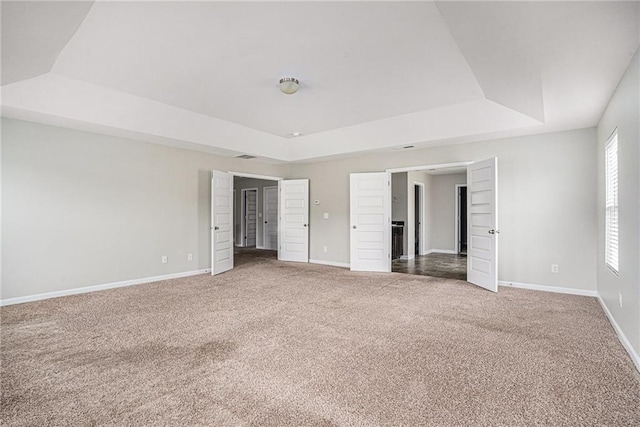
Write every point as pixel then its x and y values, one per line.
pixel 245 156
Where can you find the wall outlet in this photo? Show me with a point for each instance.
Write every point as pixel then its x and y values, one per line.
pixel 326 215
pixel 165 259
pixel 554 268
pixel 189 257
pixel 620 299
pixel 325 249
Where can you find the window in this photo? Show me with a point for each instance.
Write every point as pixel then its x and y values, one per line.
pixel 611 202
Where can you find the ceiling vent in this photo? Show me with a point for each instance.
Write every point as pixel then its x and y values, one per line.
pixel 245 156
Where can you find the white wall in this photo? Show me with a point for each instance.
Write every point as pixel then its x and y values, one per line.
pixel 241 183
pixel 546 202
pixel 442 210
pixel 82 209
pixel 623 112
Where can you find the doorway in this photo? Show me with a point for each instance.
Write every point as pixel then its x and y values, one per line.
pixel 461 219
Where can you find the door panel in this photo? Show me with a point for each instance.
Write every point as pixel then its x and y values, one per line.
pixel 482 202
pixel 370 226
pixel 271 218
pixel 251 217
pixel 221 222
pixel 294 220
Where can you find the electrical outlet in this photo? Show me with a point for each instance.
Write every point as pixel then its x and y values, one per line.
pixel 325 249
pixel 620 299
pixel 554 268
pixel 189 257
pixel 165 259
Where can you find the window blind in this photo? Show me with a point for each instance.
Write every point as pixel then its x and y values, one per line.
pixel 611 202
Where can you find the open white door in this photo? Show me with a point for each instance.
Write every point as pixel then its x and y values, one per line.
pixel 482 203
pixel 270 210
pixel 221 222
pixel 370 211
pixel 294 220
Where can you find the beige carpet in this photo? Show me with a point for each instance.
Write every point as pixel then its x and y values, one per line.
pixel 301 345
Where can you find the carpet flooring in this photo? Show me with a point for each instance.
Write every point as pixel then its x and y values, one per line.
pixel 284 344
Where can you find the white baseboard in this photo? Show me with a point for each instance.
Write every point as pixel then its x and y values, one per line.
pixel 635 358
pixel 74 291
pixel 545 288
pixel 331 263
pixel 407 257
pixel 440 251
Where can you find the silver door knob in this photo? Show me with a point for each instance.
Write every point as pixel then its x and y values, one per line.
pixel 494 231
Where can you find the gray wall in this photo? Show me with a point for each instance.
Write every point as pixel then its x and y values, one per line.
pixel 441 206
pixel 546 202
pixel 623 112
pixel 82 209
pixel 241 183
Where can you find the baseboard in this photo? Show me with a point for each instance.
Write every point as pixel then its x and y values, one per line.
pixel 331 263
pixel 75 291
pixel 635 358
pixel 407 257
pixel 443 251
pixel 545 288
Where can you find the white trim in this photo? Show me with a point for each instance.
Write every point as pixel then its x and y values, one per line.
pixel 264 215
pixel 422 233
pixel 331 263
pixel 94 288
pixel 635 358
pixel 407 257
pixel 442 251
pixel 429 167
pixel 546 288
pixel 253 175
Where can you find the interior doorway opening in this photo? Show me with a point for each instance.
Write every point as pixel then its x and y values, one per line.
pixel 255 219
pixel 426 222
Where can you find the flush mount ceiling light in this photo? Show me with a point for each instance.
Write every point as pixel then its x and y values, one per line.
pixel 295 134
pixel 289 85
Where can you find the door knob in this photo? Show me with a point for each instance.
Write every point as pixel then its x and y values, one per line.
pixel 216 228
pixel 305 225
pixel 265 222
pixel 494 231
pixel 354 227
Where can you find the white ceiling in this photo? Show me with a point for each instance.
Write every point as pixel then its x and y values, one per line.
pixel 374 75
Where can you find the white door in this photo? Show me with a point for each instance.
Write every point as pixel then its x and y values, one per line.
pixel 270 210
pixel 482 240
pixel 250 217
pixel 221 222
pixel 294 220
pixel 370 199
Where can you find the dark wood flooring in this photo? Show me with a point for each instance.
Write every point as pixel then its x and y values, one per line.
pixel 447 266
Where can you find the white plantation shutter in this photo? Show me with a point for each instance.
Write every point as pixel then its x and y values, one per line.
pixel 611 203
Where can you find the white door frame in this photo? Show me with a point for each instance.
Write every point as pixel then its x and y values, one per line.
pixel 421 232
pixel 457 217
pixel 264 214
pixel 256 176
pixel 244 224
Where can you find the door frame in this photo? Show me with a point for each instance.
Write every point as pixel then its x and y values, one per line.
pixel 421 231
pixel 457 218
pixel 255 176
pixel 244 224
pixel 264 215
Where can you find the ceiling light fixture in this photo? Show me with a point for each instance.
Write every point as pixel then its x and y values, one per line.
pixel 295 134
pixel 289 85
